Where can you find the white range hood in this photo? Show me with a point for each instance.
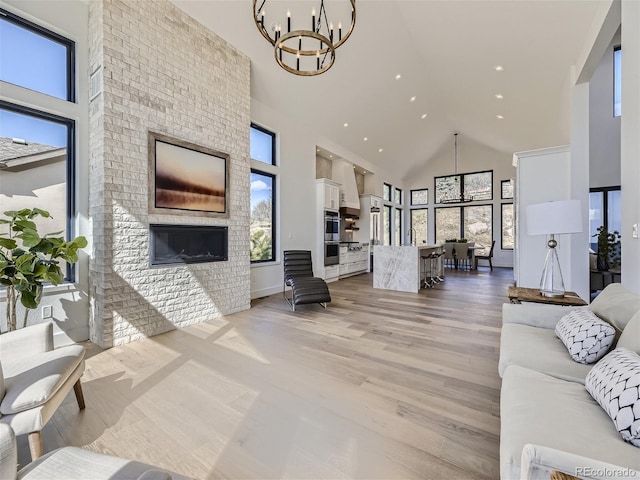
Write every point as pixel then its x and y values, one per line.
pixel 343 173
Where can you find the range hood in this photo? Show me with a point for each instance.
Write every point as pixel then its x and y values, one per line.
pixel 343 173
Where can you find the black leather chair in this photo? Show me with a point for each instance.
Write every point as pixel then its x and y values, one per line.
pixel 298 274
pixel 489 256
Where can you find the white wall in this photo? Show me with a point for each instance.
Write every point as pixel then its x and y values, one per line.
pixel 630 140
pixel 604 128
pixel 472 157
pixel 69 302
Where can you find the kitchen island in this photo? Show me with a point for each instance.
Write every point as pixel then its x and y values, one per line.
pixel 400 268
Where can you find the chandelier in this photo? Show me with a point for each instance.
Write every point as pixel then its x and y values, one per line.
pixel 304 52
pixel 459 197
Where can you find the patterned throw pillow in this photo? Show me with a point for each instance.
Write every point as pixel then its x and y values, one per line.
pixel 614 383
pixel 586 336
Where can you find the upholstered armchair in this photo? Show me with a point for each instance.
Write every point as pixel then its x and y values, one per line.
pixel 71 463
pixel 35 378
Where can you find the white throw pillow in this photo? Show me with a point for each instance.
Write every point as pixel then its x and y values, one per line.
pixel 614 383
pixel 586 336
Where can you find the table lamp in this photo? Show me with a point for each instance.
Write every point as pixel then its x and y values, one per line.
pixel 553 218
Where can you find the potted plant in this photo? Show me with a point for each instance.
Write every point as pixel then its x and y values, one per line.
pixel 608 249
pixel 29 260
pixel 462 240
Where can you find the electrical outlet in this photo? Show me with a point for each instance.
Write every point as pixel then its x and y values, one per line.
pixel 634 230
pixel 47 311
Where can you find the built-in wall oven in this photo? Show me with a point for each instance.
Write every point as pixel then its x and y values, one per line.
pixel 331 226
pixel 331 253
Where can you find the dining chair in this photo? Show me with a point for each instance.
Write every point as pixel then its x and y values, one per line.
pixel 488 256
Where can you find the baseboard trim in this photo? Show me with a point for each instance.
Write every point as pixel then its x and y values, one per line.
pixel 265 292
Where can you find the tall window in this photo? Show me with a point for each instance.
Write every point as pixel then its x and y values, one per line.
pixel 37 148
pixel 386 192
pixel 397 240
pixel 605 209
pixel 476 186
pixel 419 223
pixel 386 225
pixel 506 226
pixel 617 81
pixel 262 230
pixel 392 214
pixel 475 223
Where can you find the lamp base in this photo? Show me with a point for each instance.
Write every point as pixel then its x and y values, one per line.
pixel 551 294
pixel 551 283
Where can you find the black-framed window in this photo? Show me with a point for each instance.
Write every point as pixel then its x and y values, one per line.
pixel 506 226
pixel 506 189
pixel 262 217
pixel 262 145
pixel 386 224
pixel 397 227
pixel 386 192
pixel 36 58
pixel 397 196
pixel 478 186
pixel 37 156
pixel 473 222
pixel 617 81
pixel 419 222
pixel 605 209
pixel 420 196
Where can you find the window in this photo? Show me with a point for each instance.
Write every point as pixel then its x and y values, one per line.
pixel 475 223
pixel 617 81
pixel 35 58
pixel 419 223
pixel 386 225
pixel 262 145
pixel 605 209
pixel 506 189
pixel 451 188
pixel 262 229
pixel 386 192
pixel 506 226
pixel 398 196
pixel 420 197
pixel 398 227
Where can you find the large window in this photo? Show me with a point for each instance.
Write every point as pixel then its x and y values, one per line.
pixel 419 217
pixel 35 58
pixel 617 81
pixel 605 209
pixel 386 192
pixel 397 224
pixel 386 225
pixel 506 226
pixel 420 197
pixel 476 186
pixel 262 229
pixel 475 223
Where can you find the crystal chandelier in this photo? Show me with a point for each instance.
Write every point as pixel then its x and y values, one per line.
pixel 305 52
pixel 461 197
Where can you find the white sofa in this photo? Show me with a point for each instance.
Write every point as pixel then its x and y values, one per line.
pixel 548 420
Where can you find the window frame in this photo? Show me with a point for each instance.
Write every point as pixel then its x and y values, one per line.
pixel 70 46
pixel 400 193
pixel 461 183
pixel 502 247
pixel 386 187
pixel 605 201
pixel 387 208
pixel 502 197
pixel 70 167
pixel 425 209
pixel 273 144
pixel 461 227
pixel 418 190
pixel 273 177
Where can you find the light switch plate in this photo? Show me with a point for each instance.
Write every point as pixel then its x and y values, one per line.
pixel 47 311
pixel 634 230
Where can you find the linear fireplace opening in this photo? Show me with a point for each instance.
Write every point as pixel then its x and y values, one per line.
pixel 176 244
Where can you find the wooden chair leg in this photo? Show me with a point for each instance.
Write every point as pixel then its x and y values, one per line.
pixel 77 388
pixel 35 445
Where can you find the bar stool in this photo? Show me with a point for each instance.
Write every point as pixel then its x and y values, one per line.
pixel 430 266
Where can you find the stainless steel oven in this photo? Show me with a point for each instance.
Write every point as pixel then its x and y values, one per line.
pixel 331 226
pixel 331 253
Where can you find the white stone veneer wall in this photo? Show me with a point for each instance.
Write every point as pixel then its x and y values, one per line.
pixel 165 72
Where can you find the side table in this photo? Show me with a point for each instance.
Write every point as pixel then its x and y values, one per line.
pixel 521 294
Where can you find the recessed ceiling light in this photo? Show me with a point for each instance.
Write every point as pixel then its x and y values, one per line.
pixel 499 117
pixel 330 156
pixel 423 116
pixel 499 96
pixel 317 150
pixel 412 99
pixel 365 139
pixel 379 150
pixel 346 124
pixel 398 77
pixel 499 68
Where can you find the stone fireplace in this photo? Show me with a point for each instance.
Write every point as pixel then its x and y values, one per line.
pixel 178 244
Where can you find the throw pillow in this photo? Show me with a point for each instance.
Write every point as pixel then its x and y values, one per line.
pixel 586 336
pixel 614 383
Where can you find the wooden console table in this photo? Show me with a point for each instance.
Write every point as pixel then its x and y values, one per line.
pixel 521 294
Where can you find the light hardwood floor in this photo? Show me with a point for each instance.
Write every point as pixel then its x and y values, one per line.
pixel 382 385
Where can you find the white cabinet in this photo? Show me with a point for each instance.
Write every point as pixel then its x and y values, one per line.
pixel 331 197
pixel 376 202
pixel 331 272
pixel 353 261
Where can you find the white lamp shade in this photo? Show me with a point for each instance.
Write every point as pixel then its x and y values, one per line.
pixel 564 216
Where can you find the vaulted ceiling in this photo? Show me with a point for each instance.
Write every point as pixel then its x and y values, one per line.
pixel 446 53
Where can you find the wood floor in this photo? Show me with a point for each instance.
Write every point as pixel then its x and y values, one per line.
pixel 382 385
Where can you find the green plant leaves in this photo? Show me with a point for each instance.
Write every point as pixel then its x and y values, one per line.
pixel 8 243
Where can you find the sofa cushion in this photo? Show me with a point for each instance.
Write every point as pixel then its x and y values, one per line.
pixel 614 383
pixel 538 349
pixel 586 336
pixel 630 336
pixel 33 380
pixel 539 409
pixel 616 305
